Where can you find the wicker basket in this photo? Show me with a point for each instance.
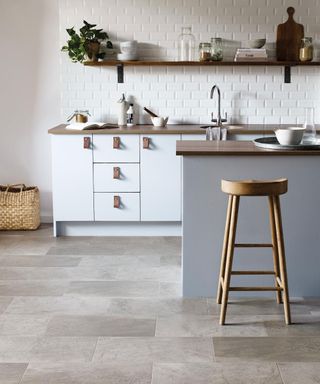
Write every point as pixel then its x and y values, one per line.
pixel 19 207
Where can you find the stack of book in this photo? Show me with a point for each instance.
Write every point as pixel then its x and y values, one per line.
pixel 251 54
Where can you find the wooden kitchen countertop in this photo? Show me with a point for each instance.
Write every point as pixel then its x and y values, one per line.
pixel 169 129
pixel 234 148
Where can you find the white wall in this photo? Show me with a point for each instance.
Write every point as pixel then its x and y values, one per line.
pixel 253 95
pixel 29 96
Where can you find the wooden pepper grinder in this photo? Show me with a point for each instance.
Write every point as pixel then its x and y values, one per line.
pixel 289 35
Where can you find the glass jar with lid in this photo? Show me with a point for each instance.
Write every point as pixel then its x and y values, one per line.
pixel 186 45
pixel 204 51
pixel 216 49
pixel 306 49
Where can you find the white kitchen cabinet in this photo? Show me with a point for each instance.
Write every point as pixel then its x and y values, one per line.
pixel 116 177
pixel 72 183
pixel 116 148
pixel 160 178
pixel 117 206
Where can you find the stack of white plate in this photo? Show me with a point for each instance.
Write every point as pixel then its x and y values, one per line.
pixel 129 50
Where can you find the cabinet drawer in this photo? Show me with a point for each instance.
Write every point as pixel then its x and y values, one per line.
pixel 106 210
pixel 116 177
pixel 116 148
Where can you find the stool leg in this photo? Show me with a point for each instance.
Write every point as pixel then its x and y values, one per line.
pixel 274 247
pixel 282 260
pixel 224 250
pixel 230 251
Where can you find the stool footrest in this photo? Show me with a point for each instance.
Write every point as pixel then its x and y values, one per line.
pixel 243 289
pixel 253 245
pixel 252 273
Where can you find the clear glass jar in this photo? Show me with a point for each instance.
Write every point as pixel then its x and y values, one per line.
pixel 310 133
pixel 204 51
pixel 186 45
pixel 216 49
pixel 306 49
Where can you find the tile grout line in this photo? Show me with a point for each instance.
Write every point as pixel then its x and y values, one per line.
pixel 20 381
pixel 279 370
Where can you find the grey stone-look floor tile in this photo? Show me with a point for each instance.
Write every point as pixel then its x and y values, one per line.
pixel 46 349
pixel 153 307
pixel 16 349
pixel 26 245
pixel 205 326
pixel 57 273
pixel 298 373
pixel 11 373
pixel 122 260
pixel 61 349
pixel 39 261
pixel 84 373
pixel 4 303
pixel 112 246
pixel 303 325
pixel 170 289
pixel 23 325
pixel 33 288
pixel 100 326
pixel 163 273
pixel 156 349
pixel 257 306
pixel 274 349
pixel 216 373
pixel 174 260
pixel 63 305
pixel 114 288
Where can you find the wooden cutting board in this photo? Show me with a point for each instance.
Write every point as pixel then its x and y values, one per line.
pixel 289 35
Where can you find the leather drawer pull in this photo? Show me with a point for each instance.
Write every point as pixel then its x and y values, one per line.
pixel 86 143
pixel 116 172
pixel 116 201
pixel 116 142
pixel 146 142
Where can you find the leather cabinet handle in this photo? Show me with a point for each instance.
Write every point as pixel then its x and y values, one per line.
pixel 116 202
pixel 146 142
pixel 86 143
pixel 116 172
pixel 116 142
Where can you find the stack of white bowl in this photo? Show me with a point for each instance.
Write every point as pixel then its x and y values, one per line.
pixel 129 50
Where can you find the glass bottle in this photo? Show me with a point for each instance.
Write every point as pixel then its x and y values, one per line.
pixel 204 51
pixel 306 49
pixel 309 135
pixel 216 49
pixel 186 45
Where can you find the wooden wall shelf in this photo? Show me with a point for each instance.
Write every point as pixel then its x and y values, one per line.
pixel 153 63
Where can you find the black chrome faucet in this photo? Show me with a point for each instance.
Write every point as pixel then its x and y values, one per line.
pixel 218 120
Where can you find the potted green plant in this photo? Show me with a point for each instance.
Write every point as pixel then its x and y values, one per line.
pixel 86 44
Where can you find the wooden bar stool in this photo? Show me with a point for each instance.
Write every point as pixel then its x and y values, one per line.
pixel 272 189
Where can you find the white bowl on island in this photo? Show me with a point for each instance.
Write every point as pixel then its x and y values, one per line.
pixel 290 135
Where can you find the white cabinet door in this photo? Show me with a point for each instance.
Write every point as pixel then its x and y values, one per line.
pixel 160 178
pixel 117 206
pixel 116 148
pixel 72 178
pixel 116 177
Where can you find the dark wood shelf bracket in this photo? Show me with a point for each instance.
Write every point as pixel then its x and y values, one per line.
pixel 287 74
pixel 120 73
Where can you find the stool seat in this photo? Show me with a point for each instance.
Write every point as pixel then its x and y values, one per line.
pixel 255 187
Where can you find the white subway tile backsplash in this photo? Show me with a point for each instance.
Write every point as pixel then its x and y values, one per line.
pixel 249 94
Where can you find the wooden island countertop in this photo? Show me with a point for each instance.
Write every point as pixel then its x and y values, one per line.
pixel 250 129
pixel 234 148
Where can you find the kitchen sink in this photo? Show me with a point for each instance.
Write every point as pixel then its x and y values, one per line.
pixel 224 126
